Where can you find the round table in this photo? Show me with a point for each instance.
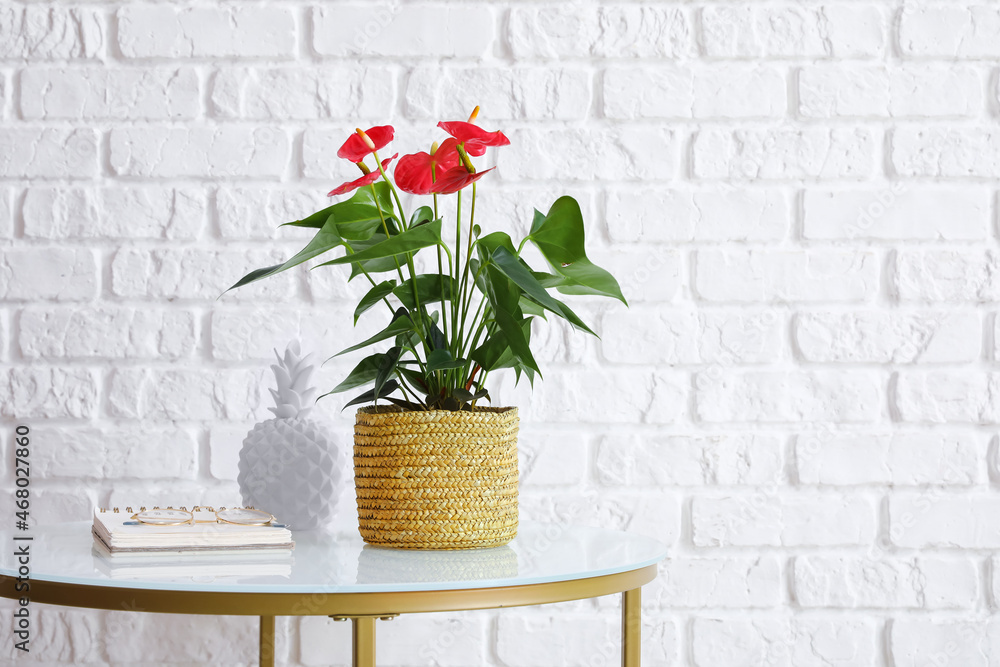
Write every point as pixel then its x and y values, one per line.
pixel 338 575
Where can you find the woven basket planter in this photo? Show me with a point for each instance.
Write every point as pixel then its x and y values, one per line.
pixel 436 479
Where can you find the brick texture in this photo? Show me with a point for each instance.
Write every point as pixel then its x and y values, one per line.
pixel 958 31
pixel 151 152
pixel 294 92
pixel 162 31
pixel 825 31
pixel 36 152
pixel 800 202
pixel 6 213
pixel 870 91
pixel 615 31
pixel 51 32
pixel 404 31
pixel 118 212
pixel 752 154
pixel 98 93
pixel 906 458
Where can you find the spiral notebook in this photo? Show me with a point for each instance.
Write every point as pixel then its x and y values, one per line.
pixel 117 533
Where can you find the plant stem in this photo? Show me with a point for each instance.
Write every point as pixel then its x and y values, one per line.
pixel 402 225
pixel 447 252
pixel 478 329
pixel 444 319
pixel 442 309
pixel 466 298
pixel 409 256
pixel 385 228
pixel 468 252
pixel 442 246
pixel 482 383
pixel 475 278
pixel 402 386
pixel 388 305
pixel 392 189
pixel 409 262
pixel 413 282
pixel 458 257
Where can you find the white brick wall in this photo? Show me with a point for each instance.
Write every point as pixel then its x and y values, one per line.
pixel 97 93
pixel 799 198
pixel 156 31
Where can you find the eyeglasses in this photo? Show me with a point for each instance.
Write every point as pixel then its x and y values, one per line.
pixel 240 516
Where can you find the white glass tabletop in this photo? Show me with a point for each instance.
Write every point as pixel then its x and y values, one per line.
pixel 340 563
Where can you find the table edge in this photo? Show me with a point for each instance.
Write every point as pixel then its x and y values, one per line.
pixel 117 598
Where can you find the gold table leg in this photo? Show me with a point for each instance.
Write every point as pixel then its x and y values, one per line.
pixel 631 627
pixel 363 628
pixel 266 641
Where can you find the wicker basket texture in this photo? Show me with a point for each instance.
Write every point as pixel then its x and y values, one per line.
pixel 436 479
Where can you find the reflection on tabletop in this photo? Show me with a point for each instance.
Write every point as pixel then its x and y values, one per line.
pixel 195 566
pixel 378 565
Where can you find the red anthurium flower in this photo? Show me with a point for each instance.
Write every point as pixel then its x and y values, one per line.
pixel 457 178
pixel 475 138
pixel 367 179
pixel 417 173
pixel 355 148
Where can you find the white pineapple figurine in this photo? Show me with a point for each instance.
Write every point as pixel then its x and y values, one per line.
pixel 288 465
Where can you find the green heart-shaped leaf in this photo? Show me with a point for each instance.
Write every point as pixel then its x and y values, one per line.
pixel 559 235
pixel 364 373
pixel 386 367
pixel 401 324
pixel 509 265
pixel 405 242
pixel 326 239
pixel 431 287
pixel 374 295
pixel 441 359
pixel 370 395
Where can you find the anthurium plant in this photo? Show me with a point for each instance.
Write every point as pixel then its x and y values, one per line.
pixel 447 330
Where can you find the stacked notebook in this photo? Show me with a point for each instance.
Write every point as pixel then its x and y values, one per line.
pixel 116 534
